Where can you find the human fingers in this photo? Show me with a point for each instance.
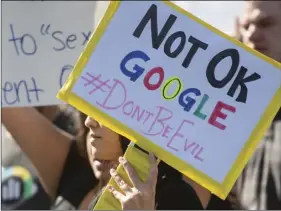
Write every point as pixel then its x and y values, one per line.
pixel 119 196
pixel 153 171
pixel 120 182
pixel 131 172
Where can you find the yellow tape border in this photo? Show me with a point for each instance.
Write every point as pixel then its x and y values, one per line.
pixel 221 190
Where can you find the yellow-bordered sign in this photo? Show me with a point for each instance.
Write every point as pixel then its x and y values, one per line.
pixel 220 189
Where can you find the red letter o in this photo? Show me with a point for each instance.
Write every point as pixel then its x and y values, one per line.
pixel 156 70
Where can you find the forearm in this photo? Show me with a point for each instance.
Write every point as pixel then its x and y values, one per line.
pixel 45 145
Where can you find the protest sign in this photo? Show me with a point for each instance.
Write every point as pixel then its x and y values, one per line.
pixel 41 40
pixel 176 86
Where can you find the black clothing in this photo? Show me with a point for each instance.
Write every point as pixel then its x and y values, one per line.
pixel 77 179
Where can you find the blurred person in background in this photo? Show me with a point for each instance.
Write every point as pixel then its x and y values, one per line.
pixel 259 186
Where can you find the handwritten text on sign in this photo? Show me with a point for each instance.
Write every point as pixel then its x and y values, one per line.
pixel 40 45
pixel 190 91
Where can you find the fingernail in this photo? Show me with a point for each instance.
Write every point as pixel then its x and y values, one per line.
pixel 152 155
pixel 122 182
pixel 121 160
pixel 110 188
pixel 112 171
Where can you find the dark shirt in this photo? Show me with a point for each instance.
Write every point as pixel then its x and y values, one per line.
pixel 174 193
pixel 177 195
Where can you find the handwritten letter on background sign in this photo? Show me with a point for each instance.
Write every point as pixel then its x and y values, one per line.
pixel 41 42
pixel 180 84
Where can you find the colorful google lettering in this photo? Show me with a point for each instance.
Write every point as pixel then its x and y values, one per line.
pixel 184 98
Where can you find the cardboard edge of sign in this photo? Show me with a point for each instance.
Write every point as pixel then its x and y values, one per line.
pixel 219 189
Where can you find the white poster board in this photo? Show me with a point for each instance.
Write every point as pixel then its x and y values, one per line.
pixel 41 41
pixel 200 109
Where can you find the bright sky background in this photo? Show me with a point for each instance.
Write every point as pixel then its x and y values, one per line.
pixel 220 14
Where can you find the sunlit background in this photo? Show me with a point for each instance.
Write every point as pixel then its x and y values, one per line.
pixel 220 14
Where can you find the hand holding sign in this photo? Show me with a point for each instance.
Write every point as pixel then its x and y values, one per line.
pixel 142 195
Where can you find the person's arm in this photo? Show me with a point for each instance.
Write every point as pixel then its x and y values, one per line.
pixel 143 195
pixel 45 145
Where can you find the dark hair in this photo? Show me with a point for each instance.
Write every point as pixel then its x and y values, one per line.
pixel 82 135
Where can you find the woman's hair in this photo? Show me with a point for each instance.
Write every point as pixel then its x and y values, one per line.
pixel 81 139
